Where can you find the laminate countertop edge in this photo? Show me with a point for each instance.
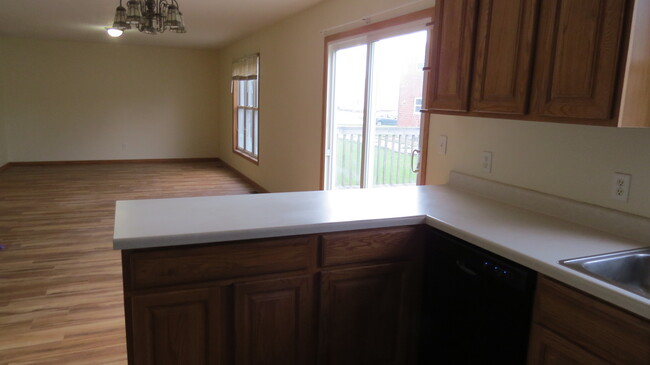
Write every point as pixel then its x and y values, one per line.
pixel 532 239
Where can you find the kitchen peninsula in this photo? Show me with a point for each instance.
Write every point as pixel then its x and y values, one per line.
pixel 203 276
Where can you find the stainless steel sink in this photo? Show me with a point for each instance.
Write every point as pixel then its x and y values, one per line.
pixel 629 270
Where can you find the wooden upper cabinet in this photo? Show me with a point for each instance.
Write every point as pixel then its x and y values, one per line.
pixel 450 59
pixel 578 59
pixel 505 40
pixel 635 109
pixel 564 61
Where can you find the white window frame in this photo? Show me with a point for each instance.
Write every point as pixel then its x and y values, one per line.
pixel 417 107
pixel 328 162
pixel 245 90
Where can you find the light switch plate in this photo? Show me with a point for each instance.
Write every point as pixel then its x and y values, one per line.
pixel 442 145
pixel 487 161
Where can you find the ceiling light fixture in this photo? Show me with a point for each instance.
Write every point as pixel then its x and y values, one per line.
pixel 114 32
pixel 148 16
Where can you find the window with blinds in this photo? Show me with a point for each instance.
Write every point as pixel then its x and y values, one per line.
pixel 245 90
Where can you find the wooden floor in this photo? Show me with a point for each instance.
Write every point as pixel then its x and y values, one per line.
pixel 60 280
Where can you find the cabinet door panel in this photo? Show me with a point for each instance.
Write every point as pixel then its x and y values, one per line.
pixel 177 327
pixel 451 55
pixel 547 348
pixel 273 322
pixel 504 49
pixel 364 315
pixel 605 330
pixel 578 55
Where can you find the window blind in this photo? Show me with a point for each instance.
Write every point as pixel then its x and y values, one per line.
pixel 246 68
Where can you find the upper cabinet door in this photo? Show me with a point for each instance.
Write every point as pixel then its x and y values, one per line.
pixel 504 48
pixel 578 58
pixel 451 54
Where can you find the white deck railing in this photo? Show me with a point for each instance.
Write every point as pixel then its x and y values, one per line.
pixel 391 163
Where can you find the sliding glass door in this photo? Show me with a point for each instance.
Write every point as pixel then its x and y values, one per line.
pixel 373 114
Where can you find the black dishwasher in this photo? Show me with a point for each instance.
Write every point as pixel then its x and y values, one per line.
pixel 477 305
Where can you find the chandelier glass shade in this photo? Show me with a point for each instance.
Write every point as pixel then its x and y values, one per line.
pixel 148 16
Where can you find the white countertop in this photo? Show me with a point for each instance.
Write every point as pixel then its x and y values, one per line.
pixel 532 239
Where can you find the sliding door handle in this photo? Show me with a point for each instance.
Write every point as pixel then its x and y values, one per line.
pixel 417 168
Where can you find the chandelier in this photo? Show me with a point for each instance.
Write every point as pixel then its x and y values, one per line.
pixel 148 16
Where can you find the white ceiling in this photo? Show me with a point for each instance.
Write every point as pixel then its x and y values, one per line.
pixel 209 23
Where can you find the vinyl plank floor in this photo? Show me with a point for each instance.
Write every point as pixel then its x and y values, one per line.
pixel 60 280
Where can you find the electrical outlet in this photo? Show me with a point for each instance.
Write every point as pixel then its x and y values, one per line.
pixel 621 186
pixel 487 161
pixel 442 145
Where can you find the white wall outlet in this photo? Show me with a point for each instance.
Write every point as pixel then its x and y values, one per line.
pixel 621 186
pixel 442 145
pixel 487 161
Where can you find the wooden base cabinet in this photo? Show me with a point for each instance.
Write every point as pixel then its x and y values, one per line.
pixel 337 298
pixel 570 327
pixel 364 313
pixel 549 348
pixel 273 321
pixel 176 327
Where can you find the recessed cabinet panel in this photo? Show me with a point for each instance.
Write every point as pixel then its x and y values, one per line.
pixel 504 49
pixel 607 332
pixel 451 54
pixel 273 322
pixel 177 327
pixel 547 348
pixel 578 58
pixel 363 312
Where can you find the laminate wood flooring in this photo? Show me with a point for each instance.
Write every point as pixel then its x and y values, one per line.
pixel 60 280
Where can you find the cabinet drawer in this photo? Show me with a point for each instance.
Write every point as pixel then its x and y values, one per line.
pixel 369 245
pixel 593 324
pixel 164 267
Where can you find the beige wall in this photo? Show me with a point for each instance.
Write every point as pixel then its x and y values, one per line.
pixel 73 101
pixel 3 142
pixel 565 160
pixel 91 101
pixel 291 90
pixel 572 161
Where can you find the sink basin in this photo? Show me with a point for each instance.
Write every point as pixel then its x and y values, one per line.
pixel 629 270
